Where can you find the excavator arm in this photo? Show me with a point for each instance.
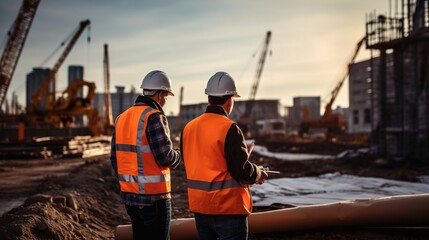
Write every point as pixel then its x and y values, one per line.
pixel 69 98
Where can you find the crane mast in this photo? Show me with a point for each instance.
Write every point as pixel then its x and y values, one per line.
pixel 43 91
pixel 15 44
pixel 108 105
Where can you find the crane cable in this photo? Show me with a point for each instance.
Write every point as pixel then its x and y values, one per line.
pixel 64 43
pixel 251 60
pixel 88 49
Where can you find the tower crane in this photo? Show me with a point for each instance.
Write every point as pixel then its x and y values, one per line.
pixel 257 79
pixel 334 123
pixel 15 44
pixel 243 122
pixel 42 93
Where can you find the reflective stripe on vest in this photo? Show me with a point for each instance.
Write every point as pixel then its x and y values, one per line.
pixel 211 188
pixel 138 171
pixel 142 179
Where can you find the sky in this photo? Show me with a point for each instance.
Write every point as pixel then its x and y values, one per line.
pixel 191 40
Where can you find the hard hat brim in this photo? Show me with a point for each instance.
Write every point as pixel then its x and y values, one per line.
pixel 151 92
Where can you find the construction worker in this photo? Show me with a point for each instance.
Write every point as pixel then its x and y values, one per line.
pixel 142 154
pixel 215 156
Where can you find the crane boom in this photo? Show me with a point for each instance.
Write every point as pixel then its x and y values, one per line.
pixel 261 63
pixel 15 44
pixel 43 91
pixel 333 123
pixel 336 90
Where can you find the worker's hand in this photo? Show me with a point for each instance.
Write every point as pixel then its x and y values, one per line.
pixel 264 175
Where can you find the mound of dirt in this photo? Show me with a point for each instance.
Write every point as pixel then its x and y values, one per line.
pixel 81 205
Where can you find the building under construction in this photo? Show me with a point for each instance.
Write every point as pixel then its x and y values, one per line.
pixel 399 45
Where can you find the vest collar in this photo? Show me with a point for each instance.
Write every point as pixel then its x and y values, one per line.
pixel 142 100
pixel 216 109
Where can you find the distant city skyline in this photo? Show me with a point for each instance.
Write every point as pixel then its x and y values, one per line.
pixel 191 40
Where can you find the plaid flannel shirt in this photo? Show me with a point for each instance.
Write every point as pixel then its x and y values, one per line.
pixel 159 141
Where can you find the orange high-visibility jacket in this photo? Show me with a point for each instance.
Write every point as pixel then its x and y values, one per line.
pixel 138 172
pixel 211 188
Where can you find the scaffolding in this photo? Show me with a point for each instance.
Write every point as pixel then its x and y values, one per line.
pixel 400 86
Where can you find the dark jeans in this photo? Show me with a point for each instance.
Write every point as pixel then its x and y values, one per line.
pixel 221 227
pixel 152 222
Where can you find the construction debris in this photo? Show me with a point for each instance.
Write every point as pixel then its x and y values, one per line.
pixel 57 148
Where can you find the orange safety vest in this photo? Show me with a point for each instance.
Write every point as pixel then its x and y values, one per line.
pixel 138 172
pixel 211 188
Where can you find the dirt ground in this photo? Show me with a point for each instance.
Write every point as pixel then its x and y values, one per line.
pixel 78 198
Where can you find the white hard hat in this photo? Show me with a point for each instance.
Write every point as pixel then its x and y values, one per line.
pixel 221 84
pixel 154 81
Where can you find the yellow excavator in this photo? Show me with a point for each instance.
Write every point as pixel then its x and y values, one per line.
pixel 62 111
pixel 46 110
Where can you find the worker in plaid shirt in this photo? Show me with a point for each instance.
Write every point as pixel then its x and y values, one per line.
pixel 142 154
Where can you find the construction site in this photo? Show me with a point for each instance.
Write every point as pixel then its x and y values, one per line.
pixel 57 181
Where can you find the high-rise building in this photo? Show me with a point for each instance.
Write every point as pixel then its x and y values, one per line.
pixel 360 90
pixel 363 93
pixel 34 81
pixel 75 72
pixel 400 105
